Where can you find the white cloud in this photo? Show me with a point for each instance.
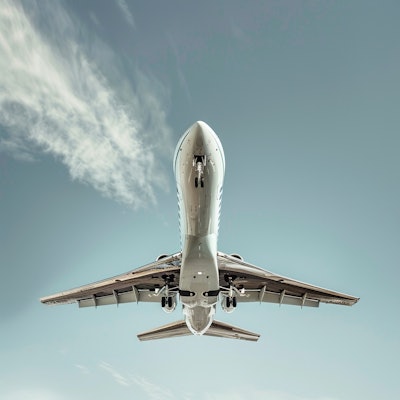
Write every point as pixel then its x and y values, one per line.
pixel 55 99
pixel 126 12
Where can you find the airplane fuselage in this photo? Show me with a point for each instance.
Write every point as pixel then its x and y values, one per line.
pixel 199 166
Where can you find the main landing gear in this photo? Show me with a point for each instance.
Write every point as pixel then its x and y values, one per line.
pixel 168 299
pixel 231 301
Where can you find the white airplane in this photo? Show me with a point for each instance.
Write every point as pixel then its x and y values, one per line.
pixel 199 275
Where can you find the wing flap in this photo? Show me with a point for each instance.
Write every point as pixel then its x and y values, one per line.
pixel 131 296
pixel 138 285
pixel 264 296
pixel 275 288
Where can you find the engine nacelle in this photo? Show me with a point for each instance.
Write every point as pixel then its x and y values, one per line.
pixel 168 304
pixel 161 256
pixel 239 257
pixel 228 304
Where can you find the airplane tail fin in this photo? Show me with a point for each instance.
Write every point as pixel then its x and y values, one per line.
pixel 217 329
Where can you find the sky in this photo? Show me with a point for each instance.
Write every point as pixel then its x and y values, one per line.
pixel 304 96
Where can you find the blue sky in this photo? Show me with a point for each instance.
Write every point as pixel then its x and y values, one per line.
pixel 304 96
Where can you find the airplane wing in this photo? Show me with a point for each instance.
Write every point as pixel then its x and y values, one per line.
pixel 254 284
pixel 144 284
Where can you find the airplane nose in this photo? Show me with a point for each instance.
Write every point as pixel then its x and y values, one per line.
pixel 199 139
pixel 199 132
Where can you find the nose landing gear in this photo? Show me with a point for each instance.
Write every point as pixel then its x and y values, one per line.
pixel 196 182
pixel 199 162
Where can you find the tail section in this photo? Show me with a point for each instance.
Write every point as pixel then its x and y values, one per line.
pixel 221 329
pixel 175 329
pixel 217 329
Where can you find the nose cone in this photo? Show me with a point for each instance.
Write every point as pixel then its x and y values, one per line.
pixel 199 139
pixel 201 126
pixel 200 133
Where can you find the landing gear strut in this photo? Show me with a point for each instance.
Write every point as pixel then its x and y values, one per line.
pixel 199 162
pixel 230 298
pixel 231 301
pixel 166 301
pixel 196 182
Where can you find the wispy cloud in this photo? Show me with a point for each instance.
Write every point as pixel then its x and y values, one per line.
pixel 119 378
pixel 84 370
pixel 32 394
pixel 55 98
pixel 152 390
pixel 254 394
pixel 123 6
pixel 179 69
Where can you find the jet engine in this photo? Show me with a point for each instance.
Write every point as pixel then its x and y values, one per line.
pixel 228 304
pixel 239 257
pixel 168 304
pixel 161 256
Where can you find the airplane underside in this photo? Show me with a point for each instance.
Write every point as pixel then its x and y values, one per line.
pixel 199 276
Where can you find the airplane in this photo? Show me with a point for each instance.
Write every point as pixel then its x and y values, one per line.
pixel 199 275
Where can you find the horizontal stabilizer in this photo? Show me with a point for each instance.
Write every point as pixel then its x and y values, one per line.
pixel 175 329
pixel 221 329
pixel 217 329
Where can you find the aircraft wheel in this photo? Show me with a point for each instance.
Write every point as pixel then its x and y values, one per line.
pixel 163 302
pixel 169 302
pixel 228 302
pixel 202 182
pixel 234 302
pixel 196 182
